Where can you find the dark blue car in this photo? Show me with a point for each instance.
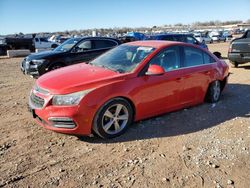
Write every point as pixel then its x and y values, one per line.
pixel 188 38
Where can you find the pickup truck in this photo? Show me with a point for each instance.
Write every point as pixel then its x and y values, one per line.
pixel 239 50
pixel 44 43
pixel 15 43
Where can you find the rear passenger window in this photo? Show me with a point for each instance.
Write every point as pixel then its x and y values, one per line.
pixel 192 57
pixel 207 58
pixel 99 44
pixel 169 59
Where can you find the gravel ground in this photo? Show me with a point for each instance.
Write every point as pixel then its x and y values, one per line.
pixel 203 146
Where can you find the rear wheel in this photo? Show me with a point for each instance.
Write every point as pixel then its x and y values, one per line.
pixel 235 64
pixel 214 92
pixel 113 118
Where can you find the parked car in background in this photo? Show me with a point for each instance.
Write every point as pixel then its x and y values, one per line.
pixel 137 35
pixel 203 38
pixel 72 51
pixel 239 50
pixel 44 43
pixel 227 35
pixel 129 83
pixel 125 39
pixel 59 39
pixel 217 37
pixel 188 38
pixel 16 43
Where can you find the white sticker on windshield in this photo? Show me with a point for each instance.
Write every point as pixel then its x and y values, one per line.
pixel 146 49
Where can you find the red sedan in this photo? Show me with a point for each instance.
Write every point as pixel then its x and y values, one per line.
pixel 131 82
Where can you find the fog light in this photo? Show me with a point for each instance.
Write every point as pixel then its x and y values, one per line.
pixel 62 122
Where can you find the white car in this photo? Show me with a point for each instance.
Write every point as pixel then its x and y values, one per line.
pixel 217 36
pixel 43 43
pixel 203 38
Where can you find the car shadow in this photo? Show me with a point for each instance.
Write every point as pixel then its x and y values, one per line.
pixel 244 66
pixel 235 102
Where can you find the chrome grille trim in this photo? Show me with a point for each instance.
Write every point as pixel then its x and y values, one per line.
pixel 36 102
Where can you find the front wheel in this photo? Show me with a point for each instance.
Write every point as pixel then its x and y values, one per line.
pixel 214 92
pixel 113 118
pixel 235 64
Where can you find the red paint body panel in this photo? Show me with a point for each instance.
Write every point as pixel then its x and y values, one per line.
pixel 150 95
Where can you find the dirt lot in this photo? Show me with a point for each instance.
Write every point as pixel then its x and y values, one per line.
pixel 204 146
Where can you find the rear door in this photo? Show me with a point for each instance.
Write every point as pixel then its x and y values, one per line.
pixel 198 71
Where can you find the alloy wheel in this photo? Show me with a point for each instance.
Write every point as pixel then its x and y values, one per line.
pixel 115 118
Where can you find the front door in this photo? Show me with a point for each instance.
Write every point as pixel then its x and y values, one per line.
pixel 159 94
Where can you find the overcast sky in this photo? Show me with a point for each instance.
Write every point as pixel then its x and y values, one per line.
pixel 29 16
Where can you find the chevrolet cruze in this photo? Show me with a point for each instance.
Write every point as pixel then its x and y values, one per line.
pixel 131 82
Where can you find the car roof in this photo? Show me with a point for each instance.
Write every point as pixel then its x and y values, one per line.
pixel 154 43
pixel 81 38
pixel 173 34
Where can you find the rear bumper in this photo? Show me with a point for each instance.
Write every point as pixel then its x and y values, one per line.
pixel 239 57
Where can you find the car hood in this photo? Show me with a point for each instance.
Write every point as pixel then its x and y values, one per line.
pixel 76 78
pixel 43 55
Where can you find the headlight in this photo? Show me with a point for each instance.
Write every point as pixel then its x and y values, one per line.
pixel 38 62
pixel 70 99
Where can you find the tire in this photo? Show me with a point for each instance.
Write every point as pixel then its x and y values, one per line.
pixel 235 64
pixel 108 121
pixel 214 92
pixel 55 66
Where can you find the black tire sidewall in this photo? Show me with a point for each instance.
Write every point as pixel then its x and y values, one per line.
pixel 97 123
pixel 210 94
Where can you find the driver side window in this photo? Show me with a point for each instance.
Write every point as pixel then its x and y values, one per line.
pixel 168 59
pixel 83 46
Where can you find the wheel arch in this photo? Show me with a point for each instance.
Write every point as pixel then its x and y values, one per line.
pixel 54 63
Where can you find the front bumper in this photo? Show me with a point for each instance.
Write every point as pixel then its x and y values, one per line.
pixel 239 57
pixel 29 69
pixel 74 120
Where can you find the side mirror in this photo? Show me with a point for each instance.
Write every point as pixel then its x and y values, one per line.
pixel 75 49
pixel 218 54
pixel 155 70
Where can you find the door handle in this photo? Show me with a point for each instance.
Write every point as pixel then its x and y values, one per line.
pixel 179 79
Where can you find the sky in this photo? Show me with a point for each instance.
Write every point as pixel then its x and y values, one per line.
pixel 30 16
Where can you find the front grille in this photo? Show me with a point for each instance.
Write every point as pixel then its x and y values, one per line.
pixel 36 101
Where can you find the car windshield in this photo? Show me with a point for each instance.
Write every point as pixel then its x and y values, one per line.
pixel 122 59
pixel 67 45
